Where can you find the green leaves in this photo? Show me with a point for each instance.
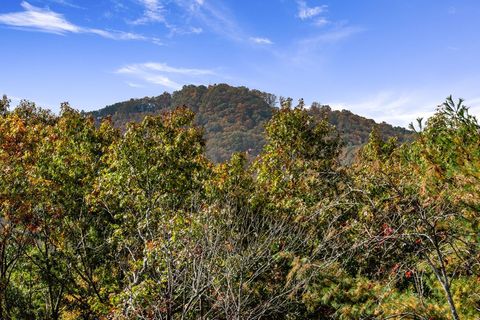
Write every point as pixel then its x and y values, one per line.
pixel 423 194
pixel 297 167
pixel 96 224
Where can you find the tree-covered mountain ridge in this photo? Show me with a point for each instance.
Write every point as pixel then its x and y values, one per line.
pixel 233 118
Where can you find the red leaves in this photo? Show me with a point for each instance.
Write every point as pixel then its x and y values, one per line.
pixel 395 268
pixel 387 230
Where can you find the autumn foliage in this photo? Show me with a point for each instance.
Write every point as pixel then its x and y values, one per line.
pixel 138 223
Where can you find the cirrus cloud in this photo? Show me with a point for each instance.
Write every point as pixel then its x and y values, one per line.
pixel 306 12
pixel 155 73
pixel 259 40
pixel 44 20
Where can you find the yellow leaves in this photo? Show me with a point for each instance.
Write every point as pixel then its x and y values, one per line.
pixel 408 303
pixel 71 314
pixel 300 267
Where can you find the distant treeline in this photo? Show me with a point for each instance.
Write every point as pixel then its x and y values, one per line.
pixel 234 118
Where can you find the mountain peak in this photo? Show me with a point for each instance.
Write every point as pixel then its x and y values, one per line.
pixel 234 117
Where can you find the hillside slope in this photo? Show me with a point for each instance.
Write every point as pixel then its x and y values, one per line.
pixel 234 118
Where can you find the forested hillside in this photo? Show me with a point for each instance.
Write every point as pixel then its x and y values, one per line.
pixel 234 118
pixel 101 224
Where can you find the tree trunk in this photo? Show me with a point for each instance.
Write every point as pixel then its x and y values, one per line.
pixel 453 309
pixel 443 279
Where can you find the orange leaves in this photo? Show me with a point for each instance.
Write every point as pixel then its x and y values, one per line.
pixel 150 245
pixel 13 134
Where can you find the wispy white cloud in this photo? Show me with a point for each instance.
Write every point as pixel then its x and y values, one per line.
pixel 183 17
pixel 163 67
pixel 184 30
pixel 306 12
pixel 120 35
pixel 320 22
pixel 154 11
pixel 262 41
pixel 220 20
pixel 397 108
pixel 133 84
pixel 309 49
pixel 162 81
pixel 315 15
pixel 332 36
pixel 148 76
pixel 196 30
pixel 165 12
pixel 155 73
pixel 39 19
pixel 45 20
pixel 66 3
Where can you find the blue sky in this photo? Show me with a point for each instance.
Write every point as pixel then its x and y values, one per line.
pixel 392 60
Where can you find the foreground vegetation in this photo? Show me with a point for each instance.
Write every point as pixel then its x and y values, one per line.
pixel 96 224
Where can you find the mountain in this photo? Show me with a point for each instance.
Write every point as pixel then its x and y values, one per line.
pixel 234 118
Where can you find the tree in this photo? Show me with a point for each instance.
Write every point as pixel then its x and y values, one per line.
pixel 57 252
pixel 21 134
pixel 415 216
pixel 97 224
pixel 300 182
pixel 247 251
pixel 152 179
pixel 296 170
pixel 4 105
